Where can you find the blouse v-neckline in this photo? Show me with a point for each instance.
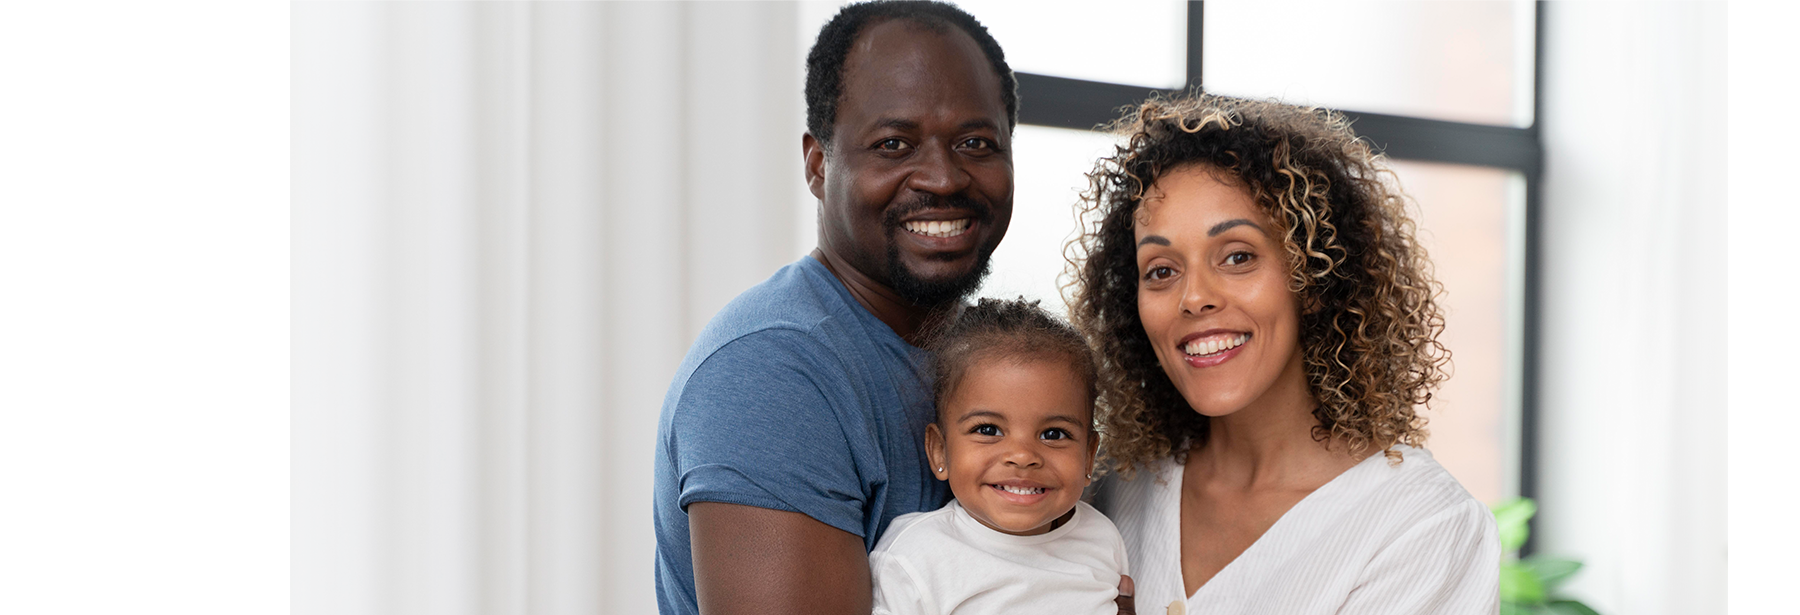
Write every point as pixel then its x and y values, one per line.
pixel 1321 498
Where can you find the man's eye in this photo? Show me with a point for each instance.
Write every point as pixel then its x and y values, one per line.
pixel 977 143
pixel 986 430
pixel 891 145
pixel 1055 434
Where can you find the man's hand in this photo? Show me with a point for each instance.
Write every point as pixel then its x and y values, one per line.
pixel 1127 606
pixel 756 560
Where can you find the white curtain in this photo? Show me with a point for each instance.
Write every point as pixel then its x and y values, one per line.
pixel 509 221
pixel 1632 456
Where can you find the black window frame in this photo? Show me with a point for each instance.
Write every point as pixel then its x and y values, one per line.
pixel 1062 102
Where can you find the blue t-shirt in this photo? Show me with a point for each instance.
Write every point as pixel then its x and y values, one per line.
pixel 793 398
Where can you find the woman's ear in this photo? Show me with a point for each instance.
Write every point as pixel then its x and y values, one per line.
pixel 934 451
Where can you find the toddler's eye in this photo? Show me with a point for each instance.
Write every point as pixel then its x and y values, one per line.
pixel 986 430
pixel 1055 434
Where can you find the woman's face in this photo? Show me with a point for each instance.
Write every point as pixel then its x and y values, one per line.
pixel 1213 296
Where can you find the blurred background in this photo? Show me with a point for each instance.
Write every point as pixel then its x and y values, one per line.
pixel 509 221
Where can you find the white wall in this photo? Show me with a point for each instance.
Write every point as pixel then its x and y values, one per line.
pixel 1633 391
pixel 509 221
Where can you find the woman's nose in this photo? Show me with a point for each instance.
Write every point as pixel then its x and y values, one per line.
pixel 1198 295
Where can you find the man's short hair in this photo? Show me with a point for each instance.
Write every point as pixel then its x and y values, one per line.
pixel 825 63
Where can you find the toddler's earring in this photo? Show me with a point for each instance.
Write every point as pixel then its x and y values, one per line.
pixel 1090 476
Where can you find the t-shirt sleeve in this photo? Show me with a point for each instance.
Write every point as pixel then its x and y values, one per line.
pixel 760 423
pixel 897 590
pixel 1449 563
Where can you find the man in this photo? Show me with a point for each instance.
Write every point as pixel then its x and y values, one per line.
pixel 792 433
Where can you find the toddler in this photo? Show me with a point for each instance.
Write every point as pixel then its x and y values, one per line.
pixel 1014 437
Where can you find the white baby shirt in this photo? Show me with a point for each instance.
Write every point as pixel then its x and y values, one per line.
pixel 944 561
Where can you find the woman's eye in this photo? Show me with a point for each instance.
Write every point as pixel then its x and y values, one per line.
pixel 1055 434
pixel 1158 273
pixel 986 430
pixel 1235 259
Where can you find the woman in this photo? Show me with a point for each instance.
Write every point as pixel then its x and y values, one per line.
pixel 1267 327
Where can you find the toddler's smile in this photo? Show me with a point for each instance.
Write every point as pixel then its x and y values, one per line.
pixel 1016 443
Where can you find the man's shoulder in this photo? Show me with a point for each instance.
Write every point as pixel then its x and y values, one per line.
pixel 799 326
pixel 801 297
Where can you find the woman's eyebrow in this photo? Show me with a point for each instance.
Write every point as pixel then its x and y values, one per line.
pixel 1230 224
pixel 1155 239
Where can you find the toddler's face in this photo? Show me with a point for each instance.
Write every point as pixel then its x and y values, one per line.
pixel 1015 443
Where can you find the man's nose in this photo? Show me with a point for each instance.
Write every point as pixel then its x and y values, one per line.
pixel 938 170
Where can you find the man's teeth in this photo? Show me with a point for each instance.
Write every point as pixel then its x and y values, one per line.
pixel 940 228
pixel 1214 345
pixel 1020 490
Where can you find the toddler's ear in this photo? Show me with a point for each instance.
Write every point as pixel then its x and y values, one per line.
pixel 1093 449
pixel 934 451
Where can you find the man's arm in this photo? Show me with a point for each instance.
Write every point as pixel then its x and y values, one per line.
pixel 750 560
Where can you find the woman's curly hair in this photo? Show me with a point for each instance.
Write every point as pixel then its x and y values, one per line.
pixel 1369 331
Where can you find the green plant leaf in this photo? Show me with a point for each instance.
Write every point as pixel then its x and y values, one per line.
pixel 1570 607
pixel 1551 571
pixel 1513 518
pixel 1519 584
pixel 1513 608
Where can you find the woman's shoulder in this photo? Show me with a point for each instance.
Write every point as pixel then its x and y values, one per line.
pixel 1121 491
pixel 1417 491
pixel 1419 478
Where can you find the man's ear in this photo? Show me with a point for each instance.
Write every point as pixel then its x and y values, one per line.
pixel 814 153
pixel 934 451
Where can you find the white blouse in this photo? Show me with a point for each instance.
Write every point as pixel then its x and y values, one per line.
pixel 1376 539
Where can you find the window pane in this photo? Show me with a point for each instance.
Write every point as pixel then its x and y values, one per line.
pixel 1460 61
pixel 1137 42
pixel 1470 222
pixel 1049 173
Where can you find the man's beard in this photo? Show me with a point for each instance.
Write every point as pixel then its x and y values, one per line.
pixel 931 293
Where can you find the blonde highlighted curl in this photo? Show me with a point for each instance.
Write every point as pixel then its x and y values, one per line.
pixel 1370 323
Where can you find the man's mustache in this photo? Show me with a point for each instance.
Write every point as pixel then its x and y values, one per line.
pixel 959 202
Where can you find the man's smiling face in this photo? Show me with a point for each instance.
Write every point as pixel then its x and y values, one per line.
pixel 917 185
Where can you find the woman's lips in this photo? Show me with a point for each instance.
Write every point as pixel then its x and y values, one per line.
pixel 1228 345
pixel 1212 359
